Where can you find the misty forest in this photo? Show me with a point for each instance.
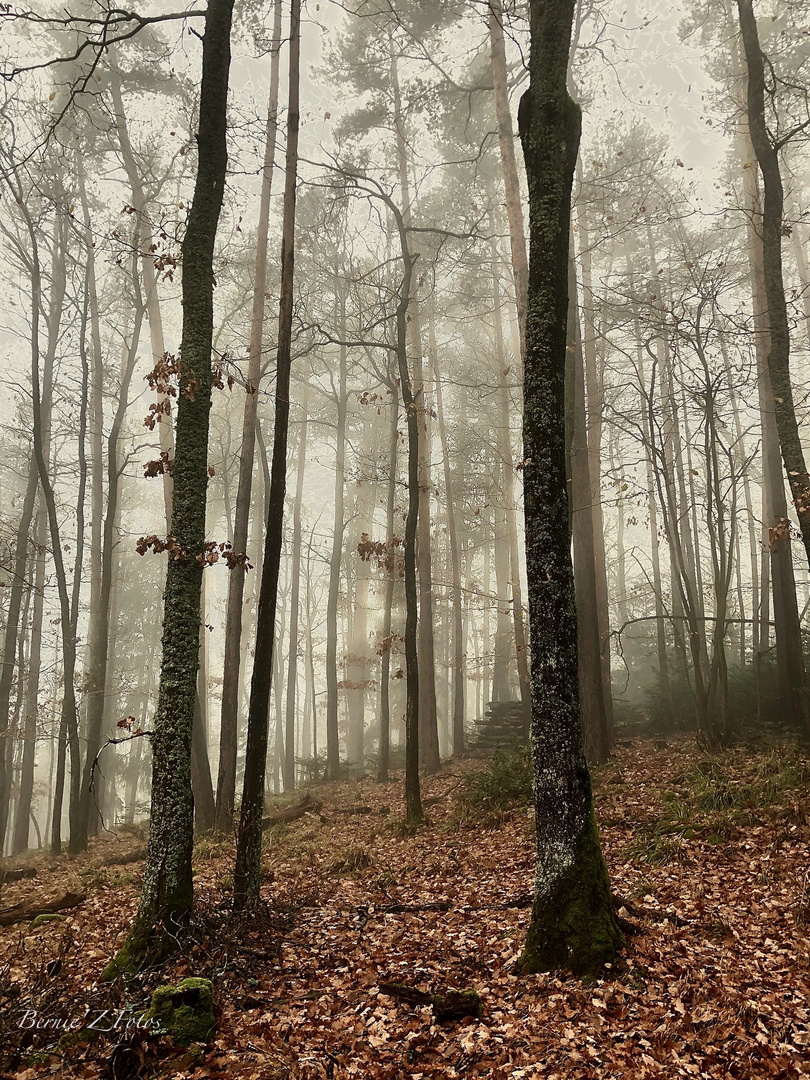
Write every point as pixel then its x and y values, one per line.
pixel 405 539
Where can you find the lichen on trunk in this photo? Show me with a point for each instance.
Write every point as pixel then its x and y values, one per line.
pixel 573 926
pixel 167 894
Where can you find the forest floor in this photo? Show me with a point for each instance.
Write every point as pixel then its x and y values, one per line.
pixel 709 854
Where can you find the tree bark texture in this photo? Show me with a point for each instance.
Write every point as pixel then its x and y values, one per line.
pixel 167 894
pixel 573 926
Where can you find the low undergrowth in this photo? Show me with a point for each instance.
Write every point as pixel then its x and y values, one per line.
pixel 713 800
pixel 489 794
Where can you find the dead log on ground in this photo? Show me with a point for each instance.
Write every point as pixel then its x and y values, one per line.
pixel 292 813
pixel 23 912
pixel 17 875
pixel 447 1006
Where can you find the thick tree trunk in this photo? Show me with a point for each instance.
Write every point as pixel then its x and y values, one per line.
pixel 247 872
pixel 229 727
pixel 573 926
pixel 167 894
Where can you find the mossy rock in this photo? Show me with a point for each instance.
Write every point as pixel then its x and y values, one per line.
pixel 40 920
pixel 185 1011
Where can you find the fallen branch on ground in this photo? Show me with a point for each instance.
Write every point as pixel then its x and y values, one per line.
pixel 292 813
pixel 17 875
pixel 447 1006
pixel 25 912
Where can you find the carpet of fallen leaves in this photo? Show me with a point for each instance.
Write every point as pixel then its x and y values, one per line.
pixel 711 858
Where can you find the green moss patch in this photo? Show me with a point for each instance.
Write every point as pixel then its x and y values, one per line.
pixel 185 1011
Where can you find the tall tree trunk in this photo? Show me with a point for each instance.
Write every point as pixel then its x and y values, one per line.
pixel 776 542
pixel 21 546
pixel 455 557
pixel 386 645
pixel 151 299
pixel 358 660
pixel 591 688
pixel 652 510
pixel 594 403
pixel 504 434
pixel 15 599
pixel 292 659
pixel 333 598
pixel 767 153
pixel 41 442
pixel 20 843
pixel 167 894
pixel 572 925
pixel 506 142
pixel 247 872
pixel 428 721
pixel 229 727
pixel 100 624
pixel 201 783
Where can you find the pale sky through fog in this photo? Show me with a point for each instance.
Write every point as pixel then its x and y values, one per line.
pixel 661 79
pixel 656 77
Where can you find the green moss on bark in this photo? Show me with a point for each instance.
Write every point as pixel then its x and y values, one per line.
pixel 573 925
pixel 186 1011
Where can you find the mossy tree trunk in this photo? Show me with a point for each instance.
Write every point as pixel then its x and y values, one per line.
pixel 247 873
pixel 167 894
pixel 573 926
